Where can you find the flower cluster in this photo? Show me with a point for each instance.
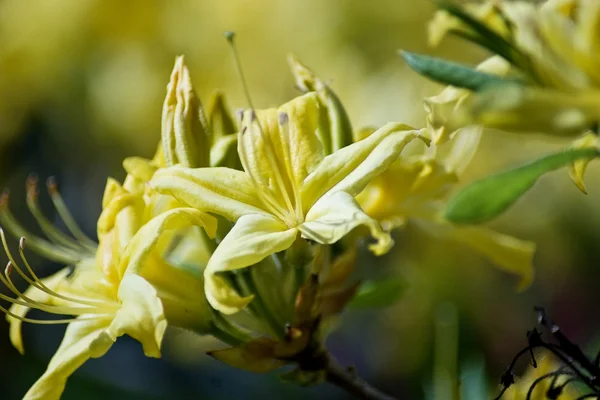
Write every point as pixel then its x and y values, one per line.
pixel 229 229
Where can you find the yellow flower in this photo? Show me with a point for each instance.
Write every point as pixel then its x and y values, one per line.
pixel 288 187
pixel 127 288
pixel 417 186
pixel 555 47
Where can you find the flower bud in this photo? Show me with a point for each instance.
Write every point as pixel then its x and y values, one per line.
pixel 185 135
pixel 335 129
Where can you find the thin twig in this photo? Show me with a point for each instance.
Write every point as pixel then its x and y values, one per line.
pixel 348 380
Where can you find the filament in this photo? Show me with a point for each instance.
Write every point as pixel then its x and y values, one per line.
pixel 65 215
pixel 47 227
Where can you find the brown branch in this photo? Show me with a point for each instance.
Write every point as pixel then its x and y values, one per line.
pixel 348 380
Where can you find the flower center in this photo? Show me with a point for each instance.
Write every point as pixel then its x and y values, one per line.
pixel 282 198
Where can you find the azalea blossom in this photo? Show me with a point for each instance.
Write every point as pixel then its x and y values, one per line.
pixel 127 288
pixel 288 188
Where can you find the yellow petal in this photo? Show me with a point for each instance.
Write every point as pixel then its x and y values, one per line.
pixel 456 154
pixel 529 109
pixel 253 238
pixel 141 315
pixel 442 107
pixel 335 215
pixel 146 239
pixel 141 168
pixel 281 145
pixel 222 191
pixel 112 189
pixel 82 341
pixel 108 217
pixel 350 169
pixel 506 252
pixel 577 169
pixel 33 293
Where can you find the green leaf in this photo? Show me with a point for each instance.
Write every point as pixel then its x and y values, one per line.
pixel 484 36
pixel 489 197
pixel 451 73
pixel 378 293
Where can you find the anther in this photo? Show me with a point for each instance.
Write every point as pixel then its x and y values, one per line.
pixel 31 185
pixel 22 243
pixel 8 269
pixel 4 198
pixel 252 116
pixel 52 185
pixel 244 129
pixel 229 35
pixel 284 118
pixel 239 114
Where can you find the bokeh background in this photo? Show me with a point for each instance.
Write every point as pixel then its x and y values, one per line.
pixel 82 84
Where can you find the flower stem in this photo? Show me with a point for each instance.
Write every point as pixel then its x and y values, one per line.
pixel 347 380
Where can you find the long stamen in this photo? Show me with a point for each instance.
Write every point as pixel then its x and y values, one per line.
pixel 284 120
pixel 47 227
pixel 46 321
pixel 29 302
pixel 41 246
pixel 40 284
pixel 230 36
pixel 65 215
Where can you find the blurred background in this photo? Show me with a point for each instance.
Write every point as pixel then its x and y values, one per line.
pixel 82 84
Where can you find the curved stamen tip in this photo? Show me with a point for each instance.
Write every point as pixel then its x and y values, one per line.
pixel 8 269
pixel 52 185
pixel 22 243
pixel 31 185
pixel 229 35
pixel 284 118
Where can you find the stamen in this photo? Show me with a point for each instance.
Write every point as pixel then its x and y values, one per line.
pixel 239 114
pixel 45 248
pixel 66 216
pixel 46 321
pixel 284 120
pixel 29 302
pixel 47 227
pixel 40 285
pixel 230 36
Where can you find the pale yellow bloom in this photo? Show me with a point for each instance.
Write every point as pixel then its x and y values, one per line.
pixel 288 188
pixel 127 288
pixel 555 46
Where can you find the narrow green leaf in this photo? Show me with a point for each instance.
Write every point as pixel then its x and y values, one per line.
pixel 489 197
pixel 378 293
pixel 484 36
pixel 451 73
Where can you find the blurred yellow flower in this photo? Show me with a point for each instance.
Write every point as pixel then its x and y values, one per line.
pixel 554 47
pixel 418 185
pixel 287 188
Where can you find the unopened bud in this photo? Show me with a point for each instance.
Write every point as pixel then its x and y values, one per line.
pixel 185 135
pixel 335 129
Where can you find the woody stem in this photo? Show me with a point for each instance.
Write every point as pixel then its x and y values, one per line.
pixel 346 379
